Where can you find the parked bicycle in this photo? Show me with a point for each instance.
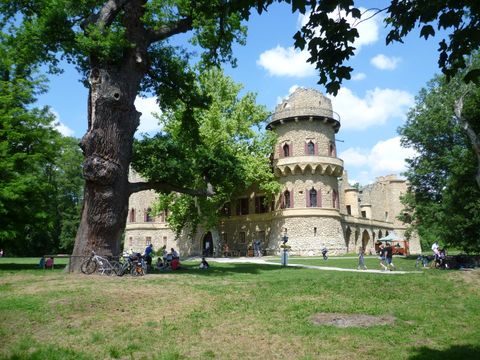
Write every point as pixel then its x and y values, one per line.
pixel 133 264
pixel 100 264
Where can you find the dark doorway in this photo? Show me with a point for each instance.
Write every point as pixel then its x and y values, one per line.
pixel 208 244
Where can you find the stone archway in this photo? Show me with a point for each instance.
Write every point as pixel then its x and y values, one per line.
pixel 365 239
pixel 207 246
pixel 348 235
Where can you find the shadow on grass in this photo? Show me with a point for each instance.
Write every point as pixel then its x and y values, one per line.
pixel 225 269
pixel 454 352
pixel 20 267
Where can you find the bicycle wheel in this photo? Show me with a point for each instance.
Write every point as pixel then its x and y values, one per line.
pixel 116 267
pixel 89 266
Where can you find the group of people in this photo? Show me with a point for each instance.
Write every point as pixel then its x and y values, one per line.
pixel 385 254
pixel 440 256
pixel 165 261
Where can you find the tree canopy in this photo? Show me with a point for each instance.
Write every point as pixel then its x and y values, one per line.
pixel 444 199
pixel 228 147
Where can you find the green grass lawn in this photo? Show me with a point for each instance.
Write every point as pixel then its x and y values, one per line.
pixel 237 311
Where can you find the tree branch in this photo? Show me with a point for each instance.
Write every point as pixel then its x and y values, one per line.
pixel 106 15
pixel 474 139
pixel 168 188
pixel 173 28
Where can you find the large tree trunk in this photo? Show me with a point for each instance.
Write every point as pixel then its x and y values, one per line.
pixel 472 135
pixel 107 148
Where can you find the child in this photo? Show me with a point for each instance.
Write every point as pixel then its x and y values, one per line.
pixel 361 259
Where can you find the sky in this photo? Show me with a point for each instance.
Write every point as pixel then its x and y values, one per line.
pixel 372 105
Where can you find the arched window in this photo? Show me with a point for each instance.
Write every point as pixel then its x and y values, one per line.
pixel 332 151
pixel 286 150
pixel 312 195
pixel 335 199
pixel 148 215
pixel 310 148
pixel 132 215
pixel 286 199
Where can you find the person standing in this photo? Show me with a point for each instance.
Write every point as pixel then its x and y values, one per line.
pixel 361 259
pixel 389 257
pixel 257 248
pixel 148 255
pixel 381 256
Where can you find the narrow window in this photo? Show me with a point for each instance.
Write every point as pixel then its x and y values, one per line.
pixel 335 199
pixel 132 215
pixel 148 215
pixel 313 197
pixel 286 197
pixel 386 215
pixel 332 151
pixel 349 210
pixel 364 214
pixel 310 148
pixel 148 240
pixel 286 150
pixel 314 231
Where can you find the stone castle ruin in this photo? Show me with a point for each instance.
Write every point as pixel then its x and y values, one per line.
pixel 316 208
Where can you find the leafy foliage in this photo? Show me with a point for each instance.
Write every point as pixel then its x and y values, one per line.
pixel 40 171
pixel 222 144
pixel 444 198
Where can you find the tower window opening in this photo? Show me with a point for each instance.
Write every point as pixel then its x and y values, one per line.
pixel 310 148
pixel 286 150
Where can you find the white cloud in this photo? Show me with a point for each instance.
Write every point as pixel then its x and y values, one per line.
pixel 359 76
pixel 378 106
pixel 383 62
pixel 385 157
pixel 147 106
pixel 286 62
pixel 291 90
pixel 59 126
pixel 368 30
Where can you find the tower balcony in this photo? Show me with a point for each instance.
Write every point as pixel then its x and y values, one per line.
pixel 308 164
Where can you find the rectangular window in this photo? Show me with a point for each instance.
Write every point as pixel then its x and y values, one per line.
pixel 260 205
pixel 314 231
pixel 226 209
pixel 349 210
pixel 242 206
pixel 243 238
pixel 364 214
pixel 386 215
pixel 148 240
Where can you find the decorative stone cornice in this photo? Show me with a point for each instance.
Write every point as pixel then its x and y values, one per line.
pixel 308 164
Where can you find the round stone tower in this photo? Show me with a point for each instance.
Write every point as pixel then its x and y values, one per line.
pixel 307 167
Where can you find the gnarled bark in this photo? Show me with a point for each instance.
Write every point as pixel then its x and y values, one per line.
pixel 107 148
pixel 472 135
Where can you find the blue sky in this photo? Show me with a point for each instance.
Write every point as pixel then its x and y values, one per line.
pixel 371 106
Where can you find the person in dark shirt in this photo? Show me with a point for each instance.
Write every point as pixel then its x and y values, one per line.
pixel 388 257
pixel 381 256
